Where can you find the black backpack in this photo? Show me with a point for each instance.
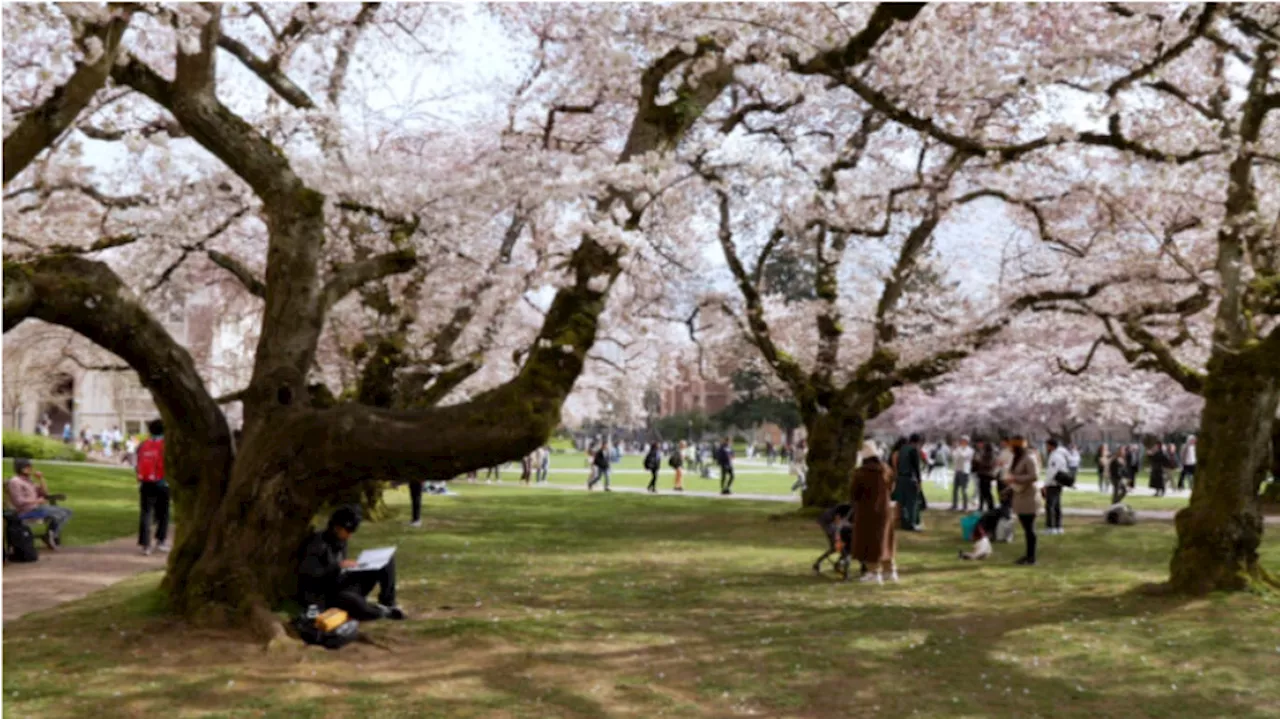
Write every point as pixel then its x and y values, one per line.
pixel 22 543
pixel 340 637
pixel 1064 479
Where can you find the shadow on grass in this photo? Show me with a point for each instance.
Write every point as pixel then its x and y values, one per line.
pixel 590 606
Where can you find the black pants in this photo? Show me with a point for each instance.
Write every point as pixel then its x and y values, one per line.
pixel 352 594
pixel 653 480
pixel 153 501
pixel 960 488
pixel 1028 522
pixel 986 501
pixel 1188 471
pixel 1053 507
pixel 726 477
pixel 415 498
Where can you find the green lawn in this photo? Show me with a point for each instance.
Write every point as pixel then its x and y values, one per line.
pixel 556 604
pixel 104 500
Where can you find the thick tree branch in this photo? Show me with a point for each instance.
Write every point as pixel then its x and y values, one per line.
pixel 355 274
pixel 39 128
pixel 859 46
pixel 246 276
pixel 350 36
pixel 59 289
pixel 270 73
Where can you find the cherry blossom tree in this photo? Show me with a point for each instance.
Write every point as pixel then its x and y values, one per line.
pixel 293 157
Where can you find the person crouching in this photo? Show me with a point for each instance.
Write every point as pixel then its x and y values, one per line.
pixel 326 578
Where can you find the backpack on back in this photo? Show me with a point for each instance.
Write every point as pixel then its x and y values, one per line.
pixel 151 461
pixel 22 542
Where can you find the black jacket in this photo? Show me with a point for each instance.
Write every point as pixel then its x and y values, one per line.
pixel 602 459
pixel 320 568
pixel 653 460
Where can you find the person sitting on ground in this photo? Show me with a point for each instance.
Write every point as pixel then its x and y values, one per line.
pixel 327 579
pixel 31 500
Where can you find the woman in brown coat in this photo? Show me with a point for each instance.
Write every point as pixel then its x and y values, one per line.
pixel 874 543
pixel 1024 472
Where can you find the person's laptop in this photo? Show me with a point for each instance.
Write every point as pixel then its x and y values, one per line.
pixel 374 559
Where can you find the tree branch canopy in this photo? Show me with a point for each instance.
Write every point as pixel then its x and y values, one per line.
pixel 39 128
pixel 255 286
pixel 353 275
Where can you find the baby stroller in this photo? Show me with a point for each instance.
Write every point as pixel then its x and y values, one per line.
pixel 837 525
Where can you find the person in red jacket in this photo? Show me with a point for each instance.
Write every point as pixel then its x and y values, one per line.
pixel 153 490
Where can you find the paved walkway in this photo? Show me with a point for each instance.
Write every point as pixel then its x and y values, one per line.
pixel 71 573
pixel 1149 514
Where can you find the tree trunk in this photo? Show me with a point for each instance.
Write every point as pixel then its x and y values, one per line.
pixel 1220 531
pixel 834 440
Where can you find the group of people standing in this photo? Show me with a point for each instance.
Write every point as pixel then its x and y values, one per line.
pixel 1009 471
pixel 1120 467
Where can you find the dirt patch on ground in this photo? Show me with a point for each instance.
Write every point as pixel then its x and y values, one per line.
pixel 71 573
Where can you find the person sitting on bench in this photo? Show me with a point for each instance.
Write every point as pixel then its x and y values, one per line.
pixel 31 500
pixel 327 579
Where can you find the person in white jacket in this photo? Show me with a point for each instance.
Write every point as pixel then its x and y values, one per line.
pixel 1058 462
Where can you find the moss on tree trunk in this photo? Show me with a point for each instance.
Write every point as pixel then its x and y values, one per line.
pixel 834 439
pixel 1220 531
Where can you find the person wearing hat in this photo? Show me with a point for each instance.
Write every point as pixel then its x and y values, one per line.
pixel 326 578
pixel 31 500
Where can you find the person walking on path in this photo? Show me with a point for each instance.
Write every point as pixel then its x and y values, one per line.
pixel 724 457
pixel 653 462
pixel 962 460
pixel 153 491
pixel 1159 466
pixel 984 465
pixel 1057 465
pixel 544 464
pixel 677 464
pixel 601 467
pixel 907 489
pixel 874 539
pixel 1022 478
pixel 1187 477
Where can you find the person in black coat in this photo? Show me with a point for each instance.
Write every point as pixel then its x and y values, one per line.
pixel 653 462
pixel 326 578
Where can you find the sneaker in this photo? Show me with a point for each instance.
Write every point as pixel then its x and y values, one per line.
pixel 163 547
pixel 416 523
pixel 50 541
pixel 146 551
pixel 870 577
pixel 893 576
pixel 1026 562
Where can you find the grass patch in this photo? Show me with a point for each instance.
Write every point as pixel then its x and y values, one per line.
pixel 533 603
pixel 104 500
